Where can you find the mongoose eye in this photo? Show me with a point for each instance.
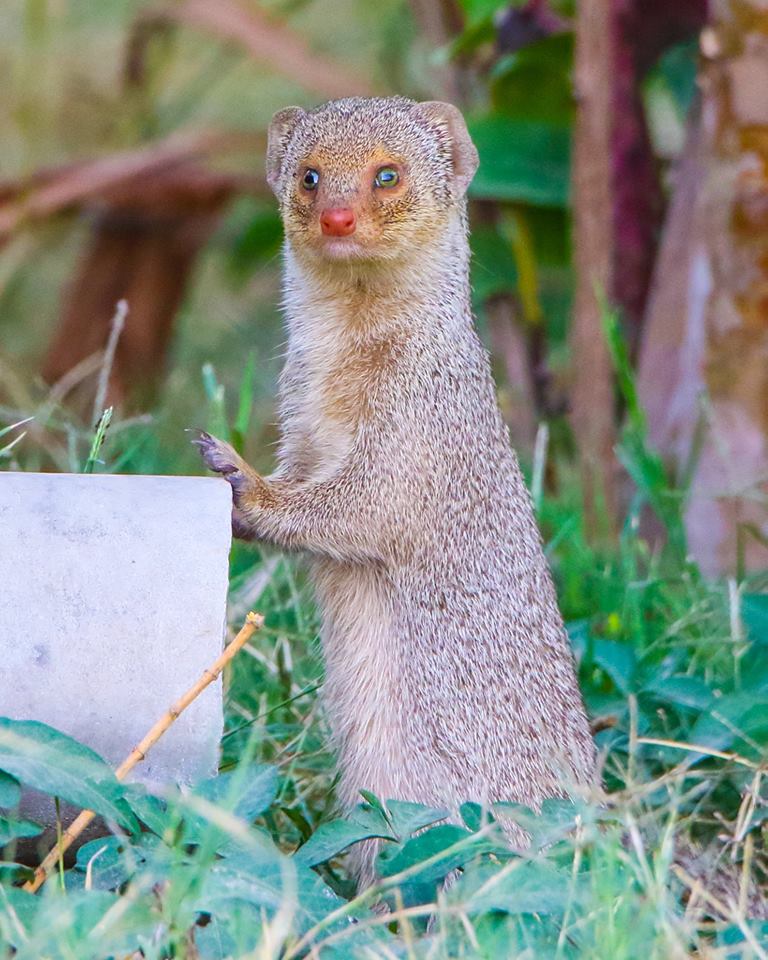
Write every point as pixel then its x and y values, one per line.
pixel 310 179
pixel 387 177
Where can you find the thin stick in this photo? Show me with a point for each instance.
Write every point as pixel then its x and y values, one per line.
pixel 252 623
pixel 698 748
pixel 108 359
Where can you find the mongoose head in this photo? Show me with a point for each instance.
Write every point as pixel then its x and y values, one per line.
pixel 368 179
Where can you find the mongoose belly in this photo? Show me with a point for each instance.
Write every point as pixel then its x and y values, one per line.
pixel 363 685
pixel 430 700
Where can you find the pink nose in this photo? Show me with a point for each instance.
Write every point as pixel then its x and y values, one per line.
pixel 337 222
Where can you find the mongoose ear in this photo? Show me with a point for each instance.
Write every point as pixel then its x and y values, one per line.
pixel 463 151
pixel 281 127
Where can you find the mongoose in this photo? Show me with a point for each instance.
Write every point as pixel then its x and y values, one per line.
pixel 448 672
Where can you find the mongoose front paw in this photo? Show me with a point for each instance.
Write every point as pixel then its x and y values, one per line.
pixel 250 492
pixel 218 455
pixel 248 488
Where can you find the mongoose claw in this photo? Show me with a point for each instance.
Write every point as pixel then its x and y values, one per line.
pixel 218 455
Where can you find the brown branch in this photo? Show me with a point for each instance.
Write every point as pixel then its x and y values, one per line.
pixel 266 39
pixel 253 622
pixel 592 399
pixel 51 192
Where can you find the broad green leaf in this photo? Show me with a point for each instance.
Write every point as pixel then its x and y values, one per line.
pixel 738 721
pixel 242 793
pixel 113 860
pixel 476 10
pixel 17 915
pixel 152 811
pixel 234 930
pixel 555 820
pixel 433 842
pixel 239 903
pixel 41 740
pixel 580 637
pixel 373 801
pixel 521 161
pixel 77 925
pixel 331 838
pixel 10 791
pixel 682 691
pixel 753 668
pixel 13 829
pixel 227 880
pixel 49 761
pixel 473 816
pixel 759 817
pixel 53 922
pixel 406 818
pixel 245 792
pixel 301 823
pixel 677 69
pixel 544 66
pixel 493 266
pixel 754 613
pixel 216 830
pixel 519 886
pixel 276 881
pixel 109 868
pixel 617 660
pixel 14 873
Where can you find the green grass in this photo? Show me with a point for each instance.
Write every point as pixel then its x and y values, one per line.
pixel 251 863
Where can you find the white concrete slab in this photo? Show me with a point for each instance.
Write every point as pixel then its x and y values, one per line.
pixel 112 603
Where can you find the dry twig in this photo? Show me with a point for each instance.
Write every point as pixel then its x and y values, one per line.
pixel 592 397
pixel 116 328
pixel 252 623
pixel 700 748
pixel 50 192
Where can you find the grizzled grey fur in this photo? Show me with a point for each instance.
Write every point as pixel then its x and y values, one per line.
pixel 449 674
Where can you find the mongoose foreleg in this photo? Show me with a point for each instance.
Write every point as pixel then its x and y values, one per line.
pixel 327 518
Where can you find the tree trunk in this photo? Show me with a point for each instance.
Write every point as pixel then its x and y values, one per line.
pixel 708 317
pixel 637 196
pixel 669 377
pixel 592 398
pixel 144 243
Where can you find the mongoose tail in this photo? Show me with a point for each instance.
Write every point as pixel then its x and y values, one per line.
pixel 449 674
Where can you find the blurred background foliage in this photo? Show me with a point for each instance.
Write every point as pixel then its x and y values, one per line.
pixel 131 167
pixel 87 86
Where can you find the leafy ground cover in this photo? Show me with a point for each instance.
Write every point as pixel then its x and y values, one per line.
pixel 674 670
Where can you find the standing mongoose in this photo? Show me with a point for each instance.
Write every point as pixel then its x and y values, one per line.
pixel 448 672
